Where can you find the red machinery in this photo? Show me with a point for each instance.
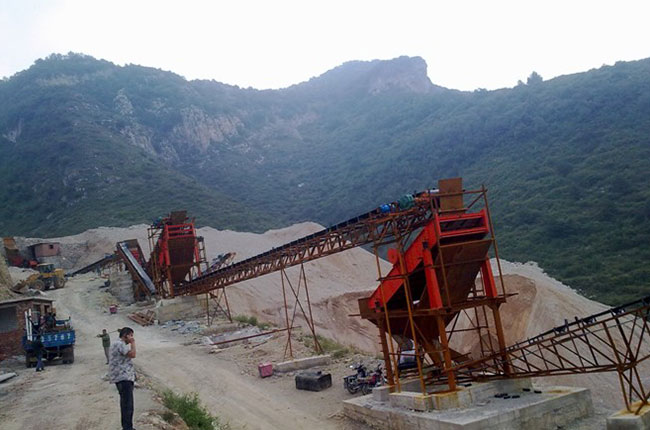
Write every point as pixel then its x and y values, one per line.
pixel 432 281
pixel 432 294
pixel 177 252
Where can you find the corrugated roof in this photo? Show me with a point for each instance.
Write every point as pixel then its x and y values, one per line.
pixel 26 299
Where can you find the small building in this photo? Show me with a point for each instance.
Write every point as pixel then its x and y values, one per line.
pixel 49 249
pixel 12 322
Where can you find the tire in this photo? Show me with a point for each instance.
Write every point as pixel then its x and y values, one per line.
pixel 68 355
pixel 38 285
pixel 352 386
pixel 57 283
pixel 28 360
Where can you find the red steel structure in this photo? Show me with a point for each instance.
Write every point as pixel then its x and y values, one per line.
pixel 441 285
pixel 178 254
pixel 432 282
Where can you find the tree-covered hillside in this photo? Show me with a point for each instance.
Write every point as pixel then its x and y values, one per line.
pixel 86 143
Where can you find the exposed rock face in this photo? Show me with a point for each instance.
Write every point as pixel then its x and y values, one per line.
pixel 402 73
pixel 123 104
pixel 375 77
pixel 13 134
pixel 199 130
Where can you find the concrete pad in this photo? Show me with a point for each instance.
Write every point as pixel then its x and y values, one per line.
pixel 410 396
pixel 624 420
pixel 180 308
pixel 555 407
pixel 302 363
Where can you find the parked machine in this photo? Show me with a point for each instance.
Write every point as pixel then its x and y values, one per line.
pixel 57 336
pixel 14 257
pixel 47 278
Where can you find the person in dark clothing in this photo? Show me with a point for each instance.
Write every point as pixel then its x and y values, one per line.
pixel 36 328
pixel 37 342
pixel 38 347
pixel 50 321
pixel 122 373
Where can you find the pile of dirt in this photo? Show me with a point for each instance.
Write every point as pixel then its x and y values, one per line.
pixel 5 282
pixel 84 248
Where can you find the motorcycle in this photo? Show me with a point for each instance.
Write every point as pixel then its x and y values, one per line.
pixel 362 380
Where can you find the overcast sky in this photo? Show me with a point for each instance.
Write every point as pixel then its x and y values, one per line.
pixel 276 43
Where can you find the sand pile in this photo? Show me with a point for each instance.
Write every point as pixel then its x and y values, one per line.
pixel 335 283
pixel 84 248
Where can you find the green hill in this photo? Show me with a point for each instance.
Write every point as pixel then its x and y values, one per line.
pixel 87 143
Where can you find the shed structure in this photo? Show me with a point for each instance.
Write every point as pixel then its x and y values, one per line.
pixel 49 249
pixel 12 322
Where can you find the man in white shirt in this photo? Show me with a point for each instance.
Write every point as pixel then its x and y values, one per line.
pixel 122 373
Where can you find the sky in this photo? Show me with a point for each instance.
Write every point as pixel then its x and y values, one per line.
pixel 277 43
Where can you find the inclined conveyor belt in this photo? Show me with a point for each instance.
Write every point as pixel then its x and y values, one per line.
pixel 130 260
pixel 95 265
pixel 356 231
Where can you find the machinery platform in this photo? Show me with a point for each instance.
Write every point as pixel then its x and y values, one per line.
pixel 508 404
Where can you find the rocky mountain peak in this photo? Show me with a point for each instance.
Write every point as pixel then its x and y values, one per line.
pixel 376 76
pixel 407 73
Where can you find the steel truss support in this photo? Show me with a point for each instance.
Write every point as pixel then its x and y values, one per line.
pixel 611 341
pixel 220 305
pixel 288 287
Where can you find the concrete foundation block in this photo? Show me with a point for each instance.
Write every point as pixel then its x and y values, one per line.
pixel 302 363
pixel 410 400
pixel 460 398
pixel 180 308
pixel 624 420
pixel 555 407
pixel 380 394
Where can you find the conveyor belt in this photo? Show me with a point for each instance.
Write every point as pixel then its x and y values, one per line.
pixel 96 265
pixel 134 267
pixel 377 225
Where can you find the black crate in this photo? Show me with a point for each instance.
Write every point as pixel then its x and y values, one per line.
pixel 313 381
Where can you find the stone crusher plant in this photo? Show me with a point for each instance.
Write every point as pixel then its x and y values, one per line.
pixel 439 242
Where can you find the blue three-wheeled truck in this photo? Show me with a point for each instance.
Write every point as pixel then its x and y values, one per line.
pixel 57 337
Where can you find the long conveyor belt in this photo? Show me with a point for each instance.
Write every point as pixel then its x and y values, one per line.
pixel 377 225
pixel 95 265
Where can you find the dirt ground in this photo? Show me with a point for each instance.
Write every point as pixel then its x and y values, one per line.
pixel 75 396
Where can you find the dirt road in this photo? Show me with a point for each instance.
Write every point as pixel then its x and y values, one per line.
pixel 67 396
pixel 74 396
